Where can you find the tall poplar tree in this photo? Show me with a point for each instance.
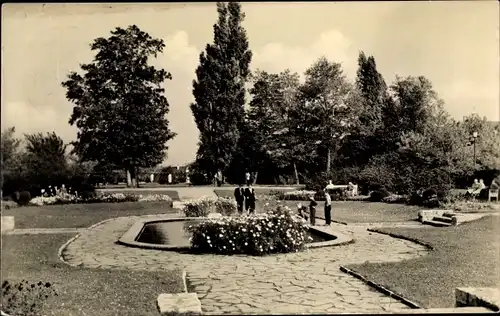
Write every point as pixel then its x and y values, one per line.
pixel 219 90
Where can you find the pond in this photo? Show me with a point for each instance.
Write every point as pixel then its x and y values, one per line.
pixel 176 233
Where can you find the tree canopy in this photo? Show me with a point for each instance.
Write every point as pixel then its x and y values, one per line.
pixel 119 103
pixel 219 90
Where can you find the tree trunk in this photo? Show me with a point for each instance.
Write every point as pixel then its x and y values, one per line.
pixel 296 174
pixel 129 178
pixel 133 176
pixel 255 175
pixel 328 161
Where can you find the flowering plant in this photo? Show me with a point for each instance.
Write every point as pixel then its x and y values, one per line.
pixel 395 198
pixel 276 231
pixel 205 205
pixel 297 195
pixel 65 198
pixel 25 298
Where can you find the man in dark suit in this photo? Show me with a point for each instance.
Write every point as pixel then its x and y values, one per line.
pixel 250 199
pixel 239 196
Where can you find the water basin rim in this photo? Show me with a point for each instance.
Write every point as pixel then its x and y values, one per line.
pixel 130 237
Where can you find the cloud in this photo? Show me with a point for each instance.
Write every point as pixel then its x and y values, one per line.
pixel 30 119
pixel 332 44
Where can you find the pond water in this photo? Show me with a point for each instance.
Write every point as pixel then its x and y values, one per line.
pixel 175 233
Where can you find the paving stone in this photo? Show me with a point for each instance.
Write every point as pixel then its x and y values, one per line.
pixel 258 284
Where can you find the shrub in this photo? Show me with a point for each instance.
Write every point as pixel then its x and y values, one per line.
pixel 378 195
pixel 22 198
pixel 298 195
pixel 25 298
pixel 394 198
pixel 203 206
pixel 225 206
pixel 273 232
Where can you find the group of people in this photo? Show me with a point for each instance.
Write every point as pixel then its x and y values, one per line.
pixel 312 209
pixel 54 190
pixel 478 185
pixel 245 198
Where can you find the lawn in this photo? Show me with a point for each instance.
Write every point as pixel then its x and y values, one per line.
pixel 80 215
pixel 84 291
pixel 229 191
pixel 463 256
pixel 357 211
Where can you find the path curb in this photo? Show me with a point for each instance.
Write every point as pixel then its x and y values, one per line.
pixel 421 243
pixel 381 288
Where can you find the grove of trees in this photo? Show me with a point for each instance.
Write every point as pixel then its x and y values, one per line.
pixel 327 127
pixel 282 129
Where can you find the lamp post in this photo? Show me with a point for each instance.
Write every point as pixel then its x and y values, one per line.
pixel 474 135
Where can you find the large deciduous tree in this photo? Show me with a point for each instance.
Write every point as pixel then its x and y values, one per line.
pixel 333 104
pixel 120 107
pixel 278 120
pixel 219 90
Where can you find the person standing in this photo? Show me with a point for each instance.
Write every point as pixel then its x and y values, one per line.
pixel 250 199
pixel 328 208
pixel 247 178
pixel 239 196
pixel 312 210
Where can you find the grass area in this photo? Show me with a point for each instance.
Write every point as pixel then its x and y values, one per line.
pixel 84 291
pixel 463 256
pixel 172 193
pixel 357 211
pixel 229 191
pixel 80 215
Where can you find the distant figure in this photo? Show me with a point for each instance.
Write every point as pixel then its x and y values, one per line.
pixel 475 189
pixel 239 196
pixel 63 189
pixel 247 178
pixel 218 178
pixel 328 208
pixel 312 210
pixel 188 181
pixel 495 184
pixel 302 210
pixel 474 186
pixel 152 178
pixel 353 189
pixel 42 191
pixel 50 191
pixel 169 178
pixel 330 185
pixel 250 199
pixel 481 184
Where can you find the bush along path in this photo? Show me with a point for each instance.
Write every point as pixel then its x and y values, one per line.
pixel 303 282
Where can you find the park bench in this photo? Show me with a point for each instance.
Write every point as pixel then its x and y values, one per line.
pixel 492 193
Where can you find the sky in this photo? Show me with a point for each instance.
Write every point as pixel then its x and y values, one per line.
pixel 454 44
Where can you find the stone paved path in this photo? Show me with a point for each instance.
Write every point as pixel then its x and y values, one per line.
pixel 304 282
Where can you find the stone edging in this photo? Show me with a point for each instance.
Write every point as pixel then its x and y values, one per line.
pixel 380 288
pixel 421 243
pixel 340 239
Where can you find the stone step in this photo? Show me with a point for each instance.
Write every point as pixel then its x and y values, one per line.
pixel 444 219
pixel 449 214
pixel 436 223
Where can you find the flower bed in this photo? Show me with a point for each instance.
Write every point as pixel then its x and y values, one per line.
pixel 272 232
pixel 395 198
pixel 64 198
pixel 298 195
pixel 203 206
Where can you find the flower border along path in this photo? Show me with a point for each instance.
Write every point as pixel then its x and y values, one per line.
pixel 303 282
